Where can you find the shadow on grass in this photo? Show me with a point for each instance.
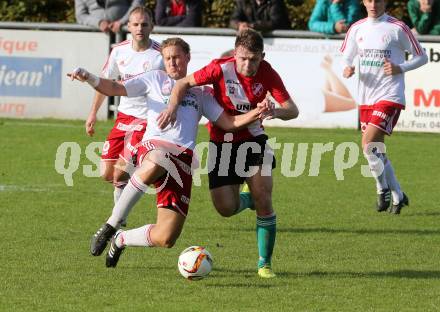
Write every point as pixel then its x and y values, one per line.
pixel 413 274
pixel 349 231
pixel 426 214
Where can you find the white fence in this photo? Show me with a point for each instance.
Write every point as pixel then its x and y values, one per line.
pixel 33 67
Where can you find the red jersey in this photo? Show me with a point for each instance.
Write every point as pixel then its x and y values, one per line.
pixel 238 94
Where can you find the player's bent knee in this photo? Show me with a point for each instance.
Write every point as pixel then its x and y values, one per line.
pixel 107 177
pixel 120 176
pixel 226 211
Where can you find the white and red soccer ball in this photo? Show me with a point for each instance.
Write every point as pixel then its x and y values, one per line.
pixel 195 263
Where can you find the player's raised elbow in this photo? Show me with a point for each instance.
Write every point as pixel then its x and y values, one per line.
pixel 290 110
pixel 294 112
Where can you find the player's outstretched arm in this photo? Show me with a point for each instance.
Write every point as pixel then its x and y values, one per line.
pixel 287 110
pixel 104 86
pixel 177 94
pixel 231 123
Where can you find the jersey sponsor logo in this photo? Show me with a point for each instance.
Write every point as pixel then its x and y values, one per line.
pixel 372 63
pixel 257 89
pixel 124 127
pixel 190 100
pixel 381 115
pixel 243 107
pixel 376 53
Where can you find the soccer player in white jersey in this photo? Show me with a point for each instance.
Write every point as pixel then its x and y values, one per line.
pixel 165 156
pixel 381 41
pixel 127 59
pixel 240 82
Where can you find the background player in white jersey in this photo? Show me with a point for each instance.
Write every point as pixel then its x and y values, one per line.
pixel 240 82
pixel 127 59
pixel 165 156
pixel 381 41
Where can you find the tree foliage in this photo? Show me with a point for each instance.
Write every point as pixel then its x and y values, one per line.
pixel 216 12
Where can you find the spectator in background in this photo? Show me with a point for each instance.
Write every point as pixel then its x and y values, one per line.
pixel 334 16
pixel 107 15
pixel 261 15
pixel 425 16
pixel 185 13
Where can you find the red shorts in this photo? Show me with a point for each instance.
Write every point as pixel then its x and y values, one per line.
pixel 173 190
pixel 124 138
pixel 382 115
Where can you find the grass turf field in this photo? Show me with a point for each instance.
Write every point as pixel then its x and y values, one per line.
pixel 333 252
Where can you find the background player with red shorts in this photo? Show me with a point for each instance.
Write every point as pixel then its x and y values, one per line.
pixel 381 41
pixel 127 59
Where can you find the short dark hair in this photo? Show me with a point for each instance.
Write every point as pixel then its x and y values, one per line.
pixel 143 11
pixel 175 41
pixel 250 39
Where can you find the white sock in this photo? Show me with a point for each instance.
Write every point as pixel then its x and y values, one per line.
pixel 119 187
pixel 130 196
pixel 139 237
pixel 376 164
pixel 396 192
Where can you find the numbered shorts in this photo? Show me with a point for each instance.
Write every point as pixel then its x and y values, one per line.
pixel 231 168
pixel 382 115
pixel 124 138
pixel 173 190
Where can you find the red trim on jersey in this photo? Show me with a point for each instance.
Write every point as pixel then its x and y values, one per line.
pixel 266 79
pixel 125 42
pixel 382 102
pixel 348 32
pixel 408 32
pixel 155 45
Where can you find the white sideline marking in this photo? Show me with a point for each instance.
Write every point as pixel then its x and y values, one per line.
pixel 33 124
pixel 52 188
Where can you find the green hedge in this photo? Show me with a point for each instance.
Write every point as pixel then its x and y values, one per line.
pixel 216 12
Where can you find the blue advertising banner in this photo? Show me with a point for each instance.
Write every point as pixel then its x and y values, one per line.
pixel 30 76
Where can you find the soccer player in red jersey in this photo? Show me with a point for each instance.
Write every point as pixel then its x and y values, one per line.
pixel 240 82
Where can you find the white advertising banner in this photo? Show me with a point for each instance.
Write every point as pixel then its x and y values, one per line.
pixel 312 72
pixel 310 68
pixel 33 68
pixel 422 112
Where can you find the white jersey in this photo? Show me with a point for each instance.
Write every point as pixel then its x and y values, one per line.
pixel 123 63
pixel 375 40
pixel 198 101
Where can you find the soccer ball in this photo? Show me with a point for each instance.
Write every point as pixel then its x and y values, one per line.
pixel 195 263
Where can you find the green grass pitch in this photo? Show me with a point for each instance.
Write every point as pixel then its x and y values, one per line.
pixel 334 252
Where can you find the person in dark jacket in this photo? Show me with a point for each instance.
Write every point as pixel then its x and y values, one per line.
pixel 261 15
pixel 184 13
pixel 107 15
pixel 425 16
